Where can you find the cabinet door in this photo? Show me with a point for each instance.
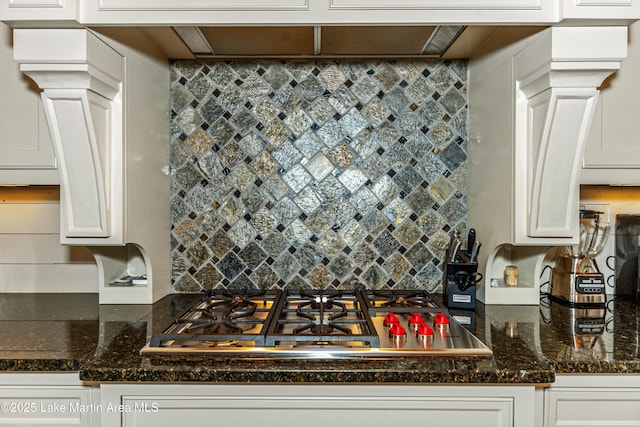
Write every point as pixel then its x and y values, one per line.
pixel 614 140
pixel 26 151
pixel 45 406
pixel 168 411
pixel 316 405
pixel 592 407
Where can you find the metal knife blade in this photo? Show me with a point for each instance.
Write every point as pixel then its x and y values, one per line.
pixel 471 240
pixel 474 252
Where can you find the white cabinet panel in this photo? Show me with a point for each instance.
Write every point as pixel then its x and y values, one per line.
pixel 294 405
pixel 593 400
pixel 25 143
pixel 612 154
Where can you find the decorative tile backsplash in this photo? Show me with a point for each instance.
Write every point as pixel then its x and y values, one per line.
pixel 316 174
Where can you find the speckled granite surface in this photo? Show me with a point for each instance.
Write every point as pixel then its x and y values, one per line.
pixel 530 344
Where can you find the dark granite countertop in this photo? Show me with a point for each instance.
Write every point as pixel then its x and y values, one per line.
pixel 531 344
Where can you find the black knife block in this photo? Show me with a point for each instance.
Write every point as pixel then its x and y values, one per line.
pixel 454 295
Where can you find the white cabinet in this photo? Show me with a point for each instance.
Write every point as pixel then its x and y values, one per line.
pixel 599 9
pixel 46 400
pixel 317 405
pixel 110 129
pixel 612 154
pixel 26 152
pixel 595 401
pixel 530 109
pixel 37 10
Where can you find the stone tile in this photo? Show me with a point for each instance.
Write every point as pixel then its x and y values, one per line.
pixel 440 189
pixel 319 166
pixel 307 200
pixel 308 256
pixel 264 165
pixel 453 156
pixel 198 254
pixel 186 231
pixel 353 122
pixel 241 176
pixel 297 177
pixel 220 243
pixel 320 110
pixel 374 277
pixel 286 266
pixel 396 266
pixel 276 132
pixel 418 255
pixel 242 233
pixel 397 211
pixel 407 233
pixel 287 155
pixel 387 77
pixel 252 255
pixel 199 142
pixel 330 243
pixel 319 277
pixel 352 233
pixel 430 223
pixel 453 211
pixel 264 277
pixel 331 133
pixel 365 89
pixel 386 244
pixel 232 210
pixel 208 277
pixel 376 112
pixel 252 145
pixel 314 178
pixel 331 77
pixel 286 211
pixel 297 233
pixel 342 100
pixel 274 244
pixel 298 122
pixel 309 144
pixel 187 285
pixel 275 186
pixel 340 266
pixel 385 189
pixel 265 110
pixel 374 222
pixel 263 221
pixel 363 255
pixel 452 101
pixel 363 199
pixel 408 179
pixel 230 266
pixel 318 222
pixel 309 88
pixel 352 178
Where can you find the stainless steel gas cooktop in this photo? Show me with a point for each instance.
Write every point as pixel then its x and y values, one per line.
pixel 317 324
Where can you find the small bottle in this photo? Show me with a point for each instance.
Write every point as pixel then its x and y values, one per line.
pixel 511 275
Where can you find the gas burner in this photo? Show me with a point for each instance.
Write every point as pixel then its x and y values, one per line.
pixel 401 300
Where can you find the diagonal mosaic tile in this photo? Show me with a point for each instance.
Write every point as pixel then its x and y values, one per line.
pixel 316 174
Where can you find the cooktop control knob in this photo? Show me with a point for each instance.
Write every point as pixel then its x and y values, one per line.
pixel 415 320
pixel 397 331
pixel 390 320
pixel 424 331
pixel 441 320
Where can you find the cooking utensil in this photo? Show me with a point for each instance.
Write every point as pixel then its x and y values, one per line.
pixel 471 240
pixel 473 258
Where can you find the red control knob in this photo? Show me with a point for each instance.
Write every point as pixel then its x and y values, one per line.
pixel 424 330
pixel 441 319
pixel 415 319
pixel 397 331
pixel 390 320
